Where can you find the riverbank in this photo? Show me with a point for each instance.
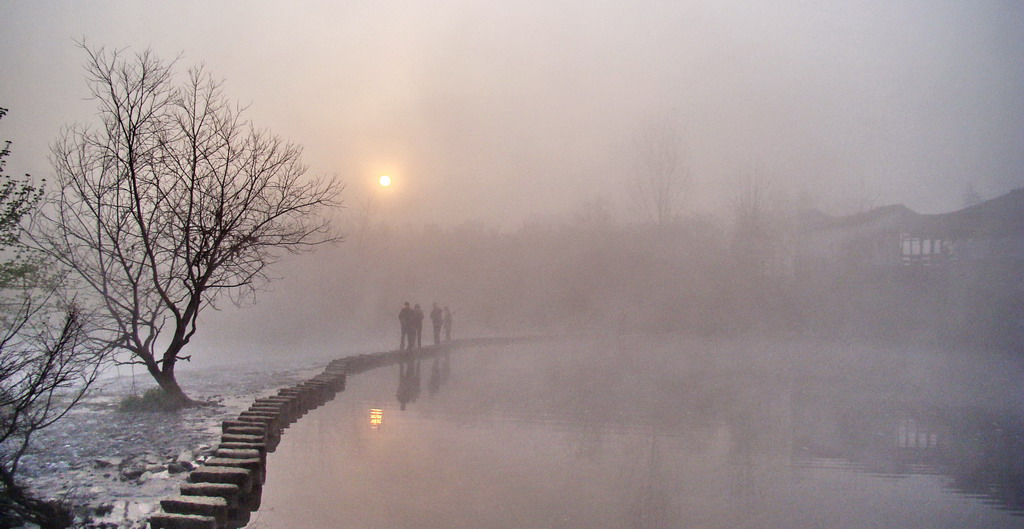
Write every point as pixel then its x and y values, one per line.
pixel 115 466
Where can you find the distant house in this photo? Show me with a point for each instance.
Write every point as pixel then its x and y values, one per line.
pixel 990 230
pixel 866 240
pixel 892 236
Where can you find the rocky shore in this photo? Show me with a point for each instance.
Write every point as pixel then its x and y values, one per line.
pixel 114 466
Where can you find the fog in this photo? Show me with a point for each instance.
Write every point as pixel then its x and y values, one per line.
pixel 658 432
pixel 823 294
pixel 509 133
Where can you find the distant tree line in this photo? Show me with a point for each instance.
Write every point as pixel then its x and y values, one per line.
pixel 709 275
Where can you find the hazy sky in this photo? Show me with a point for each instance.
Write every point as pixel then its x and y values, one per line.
pixel 504 111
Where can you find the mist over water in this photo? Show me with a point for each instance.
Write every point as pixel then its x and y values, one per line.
pixel 666 432
pixel 810 316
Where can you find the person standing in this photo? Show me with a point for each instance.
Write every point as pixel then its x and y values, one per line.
pixel 447 324
pixel 405 319
pixel 436 318
pixel 417 322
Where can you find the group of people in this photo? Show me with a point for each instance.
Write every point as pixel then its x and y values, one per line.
pixel 411 320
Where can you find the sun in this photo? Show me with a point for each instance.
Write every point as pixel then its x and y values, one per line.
pixel 384 180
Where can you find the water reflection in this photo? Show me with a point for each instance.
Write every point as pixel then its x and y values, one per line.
pixel 409 368
pixel 408 379
pixel 652 506
pixel 599 437
pixel 440 370
pixel 980 453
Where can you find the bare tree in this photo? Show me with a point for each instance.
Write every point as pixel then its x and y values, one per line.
pixel 47 364
pixel 172 202
pixel 661 174
pixel 970 196
pixel 758 236
pixel 751 207
pixel 47 360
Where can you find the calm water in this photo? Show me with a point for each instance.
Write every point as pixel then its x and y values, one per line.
pixel 658 434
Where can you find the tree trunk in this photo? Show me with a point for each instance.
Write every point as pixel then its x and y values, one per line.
pixel 169 384
pixel 21 506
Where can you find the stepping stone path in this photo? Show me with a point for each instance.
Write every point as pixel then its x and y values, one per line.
pixel 227 487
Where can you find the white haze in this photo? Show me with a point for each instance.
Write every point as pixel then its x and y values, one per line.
pixel 500 114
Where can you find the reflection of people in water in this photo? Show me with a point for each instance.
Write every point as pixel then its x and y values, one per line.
pixel 436 319
pixel 440 370
pixel 408 381
pixel 434 384
pixel 447 323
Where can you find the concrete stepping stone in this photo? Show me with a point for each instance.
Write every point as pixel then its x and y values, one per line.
pixel 258 431
pixel 268 421
pixel 234 475
pixel 236 445
pixel 182 521
pixel 241 438
pixel 238 453
pixel 199 505
pixel 254 464
pixel 287 405
pixel 258 426
pixel 273 420
pixel 228 491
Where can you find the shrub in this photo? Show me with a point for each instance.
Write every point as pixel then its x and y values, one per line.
pixel 153 399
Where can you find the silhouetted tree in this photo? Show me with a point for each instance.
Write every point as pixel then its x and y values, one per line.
pixel 752 217
pixel 173 201
pixel 47 361
pixel 971 196
pixel 661 175
pixel 763 253
pixel 863 196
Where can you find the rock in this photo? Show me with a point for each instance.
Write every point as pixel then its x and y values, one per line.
pixel 77 477
pixel 185 455
pixel 177 467
pixel 130 473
